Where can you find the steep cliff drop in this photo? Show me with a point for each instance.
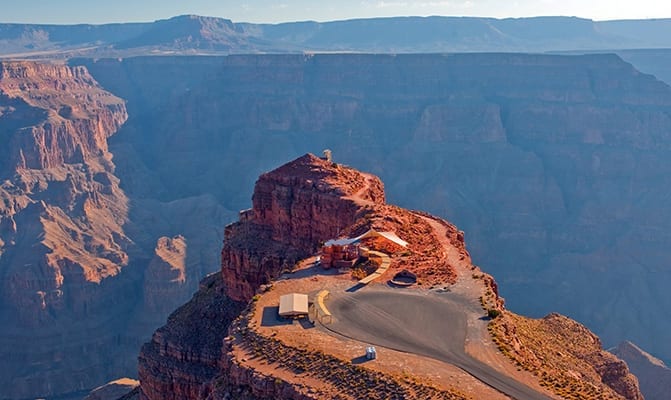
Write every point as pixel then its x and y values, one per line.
pixel 61 231
pixel 653 374
pixel 227 342
pixel 88 268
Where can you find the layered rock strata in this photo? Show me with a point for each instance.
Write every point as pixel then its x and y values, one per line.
pixel 86 271
pixel 295 208
pixel 63 249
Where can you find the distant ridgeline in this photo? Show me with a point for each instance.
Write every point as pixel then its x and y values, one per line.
pixel 191 34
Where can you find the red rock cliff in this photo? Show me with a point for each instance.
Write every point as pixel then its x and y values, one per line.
pixel 74 262
pixel 295 207
pixel 61 228
pixel 76 115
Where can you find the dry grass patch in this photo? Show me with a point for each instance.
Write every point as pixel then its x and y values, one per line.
pixel 566 357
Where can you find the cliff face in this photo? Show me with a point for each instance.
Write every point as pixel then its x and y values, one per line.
pixel 295 208
pixel 61 184
pixel 184 355
pixel 75 300
pixel 554 165
pixel 74 115
pixel 61 225
pixel 654 376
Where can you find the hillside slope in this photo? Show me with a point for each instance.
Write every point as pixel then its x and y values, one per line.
pixel 653 375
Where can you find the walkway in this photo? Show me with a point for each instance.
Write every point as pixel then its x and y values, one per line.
pixel 323 314
pixel 384 266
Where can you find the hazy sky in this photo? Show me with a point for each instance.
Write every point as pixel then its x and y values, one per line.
pixel 97 11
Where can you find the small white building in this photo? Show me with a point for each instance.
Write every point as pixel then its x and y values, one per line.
pixel 294 305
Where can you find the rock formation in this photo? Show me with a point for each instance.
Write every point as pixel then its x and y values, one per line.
pixel 295 208
pixel 86 239
pixel 75 300
pixel 165 275
pixel 556 347
pixel 653 375
pixel 61 227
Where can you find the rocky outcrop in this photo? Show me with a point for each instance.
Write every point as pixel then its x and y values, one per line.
pixel 184 355
pixel 165 276
pixel 653 375
pixel 295 208
pixel 566 357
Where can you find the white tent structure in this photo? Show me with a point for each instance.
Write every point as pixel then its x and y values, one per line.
pixel 391 236
pixel 293 305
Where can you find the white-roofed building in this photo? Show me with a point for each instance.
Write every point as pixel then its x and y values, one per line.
pixel 345 251
pixel 371 233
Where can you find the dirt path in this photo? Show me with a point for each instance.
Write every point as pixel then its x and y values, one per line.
pixel 356 197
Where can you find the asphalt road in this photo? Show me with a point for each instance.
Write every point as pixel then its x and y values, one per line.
pixel 429 324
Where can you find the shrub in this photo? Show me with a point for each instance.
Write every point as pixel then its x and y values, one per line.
pixel 493 313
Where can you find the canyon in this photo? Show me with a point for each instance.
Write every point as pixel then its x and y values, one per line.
pixel 554 166
pixel 87 274
pixel 119 176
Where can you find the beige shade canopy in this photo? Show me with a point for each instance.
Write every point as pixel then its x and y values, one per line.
pixel 293 304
